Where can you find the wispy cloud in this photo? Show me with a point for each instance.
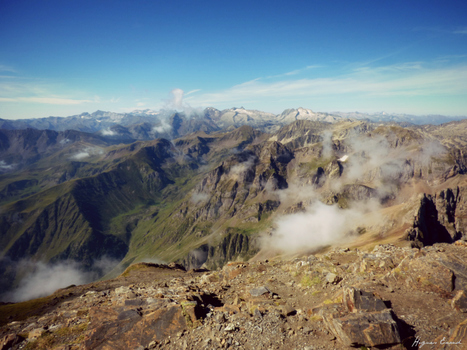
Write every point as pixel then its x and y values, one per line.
pixel 293 72
pixel 28 90
pixel 5 68
pixel 405 79
pixel 45 100
pixel 461 30
pixel 442 30
pixel 394 68
pixel 192 92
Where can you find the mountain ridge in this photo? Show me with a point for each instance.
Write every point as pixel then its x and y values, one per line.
pixel 102 120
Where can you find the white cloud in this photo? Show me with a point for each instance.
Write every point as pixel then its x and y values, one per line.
pixel 5 166
pixel 162 128
pixel 80 155
pixel 177 99
pixel 318 226
pixel 43 279
pixel 177 103
pixel 108 132
pixel 197 198
pixel 87 152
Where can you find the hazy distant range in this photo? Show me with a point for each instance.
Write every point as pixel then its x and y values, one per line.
pixel 102 120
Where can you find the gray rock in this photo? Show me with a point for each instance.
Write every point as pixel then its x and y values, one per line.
pixel 230 328
pixel 256 292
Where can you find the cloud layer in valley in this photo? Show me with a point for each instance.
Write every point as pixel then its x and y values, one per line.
pixel 86 153
pixel 41 279
pixel 320 225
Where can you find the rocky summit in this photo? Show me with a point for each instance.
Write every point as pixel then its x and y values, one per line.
pixel 389 297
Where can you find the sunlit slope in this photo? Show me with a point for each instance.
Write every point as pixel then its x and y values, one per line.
pixel 211 198
pixel 71 220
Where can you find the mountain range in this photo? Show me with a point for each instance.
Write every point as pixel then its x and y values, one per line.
pixel 201 191
pixel 102 121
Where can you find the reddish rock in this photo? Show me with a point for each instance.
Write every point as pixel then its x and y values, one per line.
pixel 457 339
pixel 130 330
pixel 426 273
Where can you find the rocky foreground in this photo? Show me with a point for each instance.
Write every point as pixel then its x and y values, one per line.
pixel 390 297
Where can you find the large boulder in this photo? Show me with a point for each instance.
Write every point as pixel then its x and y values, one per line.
pixel 365 329
pixel 361 320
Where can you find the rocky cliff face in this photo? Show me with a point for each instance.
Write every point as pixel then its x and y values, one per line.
pixel 440 218
pixel 233 246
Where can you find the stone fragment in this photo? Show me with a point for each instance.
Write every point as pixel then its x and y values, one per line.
pixel 332 278
pixel 10 340
pixel 230 328
pixel 35 333
pixel 459 302
pixel 220 318
pixel 189 307
pixel 358 300
pixel 288 310
pixel 152 345
pixel 256 292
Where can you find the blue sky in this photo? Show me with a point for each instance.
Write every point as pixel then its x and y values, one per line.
pixel 66 57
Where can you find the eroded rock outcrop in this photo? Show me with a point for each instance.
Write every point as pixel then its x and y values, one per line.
pixel 440 218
